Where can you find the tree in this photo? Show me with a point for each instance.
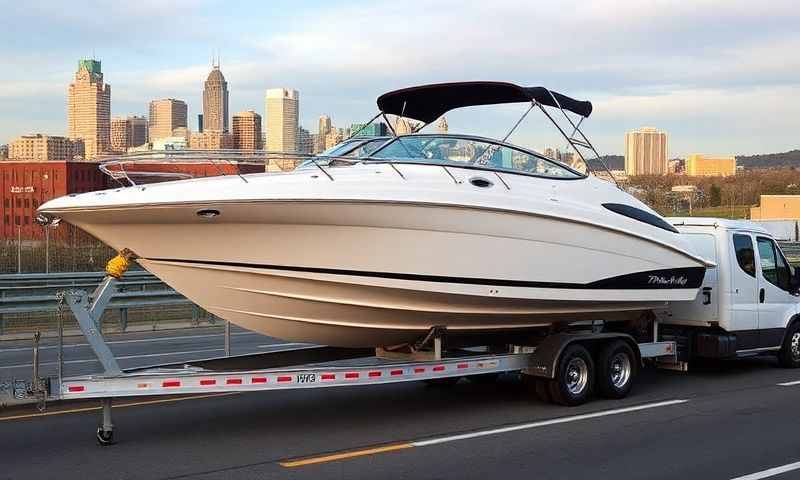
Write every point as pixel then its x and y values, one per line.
pixel 716 195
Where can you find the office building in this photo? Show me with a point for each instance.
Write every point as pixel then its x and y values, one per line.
pixel 305 143
pixel 282 110
pixel 128 133
pixel 165 116
pixel 247 131
pixel 374 129
pixel 45 148
pixel 215 102
pixel 200 122
pixel 646 152
pixel 3 152
pixel 325 125
pixel 211 140
pixel 777 207
pixel 710 166
pixel 441 125
pixel 89 109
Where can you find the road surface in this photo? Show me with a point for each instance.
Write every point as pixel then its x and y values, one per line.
pixel 734 420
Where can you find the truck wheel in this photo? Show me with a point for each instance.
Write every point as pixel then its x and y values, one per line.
pixel 616 368
pixel 789 355
pixel 574 378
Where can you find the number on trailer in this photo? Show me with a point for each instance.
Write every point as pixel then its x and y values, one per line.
pixel 307 378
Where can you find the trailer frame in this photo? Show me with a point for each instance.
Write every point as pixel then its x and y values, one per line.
pixel 313 366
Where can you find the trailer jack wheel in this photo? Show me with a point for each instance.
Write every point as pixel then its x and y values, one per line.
pixel 105 437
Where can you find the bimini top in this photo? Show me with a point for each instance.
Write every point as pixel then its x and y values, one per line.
pixel 429 102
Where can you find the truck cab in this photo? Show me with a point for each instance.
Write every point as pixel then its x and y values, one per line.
pixel 748 303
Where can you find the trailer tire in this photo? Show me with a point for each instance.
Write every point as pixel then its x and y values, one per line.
pixel 789 354
pixel 574 378
pixel 616 369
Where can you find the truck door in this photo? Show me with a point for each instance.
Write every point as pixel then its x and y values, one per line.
pixel 776 303
pixel 744 294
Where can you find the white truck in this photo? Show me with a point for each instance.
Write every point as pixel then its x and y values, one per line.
pixel 747 305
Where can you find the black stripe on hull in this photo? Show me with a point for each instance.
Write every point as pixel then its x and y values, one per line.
pixel 666 279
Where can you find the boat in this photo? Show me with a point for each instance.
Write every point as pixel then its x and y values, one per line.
pixel 464 234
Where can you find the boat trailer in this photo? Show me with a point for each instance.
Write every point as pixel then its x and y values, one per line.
pixel 306 367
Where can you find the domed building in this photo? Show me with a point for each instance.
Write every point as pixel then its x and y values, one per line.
pixel 215 102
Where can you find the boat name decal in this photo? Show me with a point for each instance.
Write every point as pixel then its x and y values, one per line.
pixel 673 280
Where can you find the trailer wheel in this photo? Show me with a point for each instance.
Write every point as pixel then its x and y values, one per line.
pixel 616 369
pixel 574 378
pixel 105 437
pixel 789 355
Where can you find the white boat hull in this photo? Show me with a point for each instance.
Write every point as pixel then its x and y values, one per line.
pixel 377 273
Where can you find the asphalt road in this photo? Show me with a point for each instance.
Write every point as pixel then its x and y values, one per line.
pixel 717 422
pixel 131 350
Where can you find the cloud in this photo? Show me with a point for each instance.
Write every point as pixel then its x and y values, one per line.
pixel 640 62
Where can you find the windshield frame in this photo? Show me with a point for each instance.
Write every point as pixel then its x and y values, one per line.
pixel 471 166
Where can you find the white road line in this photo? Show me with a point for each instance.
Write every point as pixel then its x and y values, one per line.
pixel 149 355
pixel 543 423
pixel 126 357
pixel 770 472
pixel 293 344
pixel 789 384
pixel 116 342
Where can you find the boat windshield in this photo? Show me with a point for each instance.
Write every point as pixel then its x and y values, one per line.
pixel 354 147
pixel 474 152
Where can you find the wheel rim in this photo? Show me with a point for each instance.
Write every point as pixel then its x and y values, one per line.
pixel 795 346
pixel 577 376
pixel 620 370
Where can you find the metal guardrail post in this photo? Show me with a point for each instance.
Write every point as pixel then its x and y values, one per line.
pixel 123 319
pixel 227 338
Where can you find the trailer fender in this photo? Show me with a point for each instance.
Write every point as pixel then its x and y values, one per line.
pixel 545 358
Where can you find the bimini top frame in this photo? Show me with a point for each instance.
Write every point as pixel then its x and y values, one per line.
pixel 426 103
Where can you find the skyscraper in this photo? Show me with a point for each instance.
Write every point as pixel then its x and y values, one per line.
pixel 441 125
pixel 282 107
pixel 247 131
pixel 646 152
pixel 305 144
pixel 325 125
pixel 165 116
pixel 215 102
pixel 89 109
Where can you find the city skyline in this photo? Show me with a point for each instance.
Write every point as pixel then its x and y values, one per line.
pixel 701 72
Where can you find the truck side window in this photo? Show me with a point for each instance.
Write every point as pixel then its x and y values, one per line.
pixel 745 256
pixel 773 267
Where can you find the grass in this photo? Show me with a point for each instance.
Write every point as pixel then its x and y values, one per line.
pixel 735 212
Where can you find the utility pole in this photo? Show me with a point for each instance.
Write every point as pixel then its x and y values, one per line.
pixel 19 249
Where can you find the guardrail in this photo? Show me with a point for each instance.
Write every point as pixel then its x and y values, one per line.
pixel 36 294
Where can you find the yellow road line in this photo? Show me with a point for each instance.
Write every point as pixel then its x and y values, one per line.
pixel 344 455
pixel 132 404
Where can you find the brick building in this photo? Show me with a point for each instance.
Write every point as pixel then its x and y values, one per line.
pixel 26 185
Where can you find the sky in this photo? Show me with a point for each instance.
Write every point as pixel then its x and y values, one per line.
pixel 719 76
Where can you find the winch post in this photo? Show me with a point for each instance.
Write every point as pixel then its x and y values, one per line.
pixel 88 314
